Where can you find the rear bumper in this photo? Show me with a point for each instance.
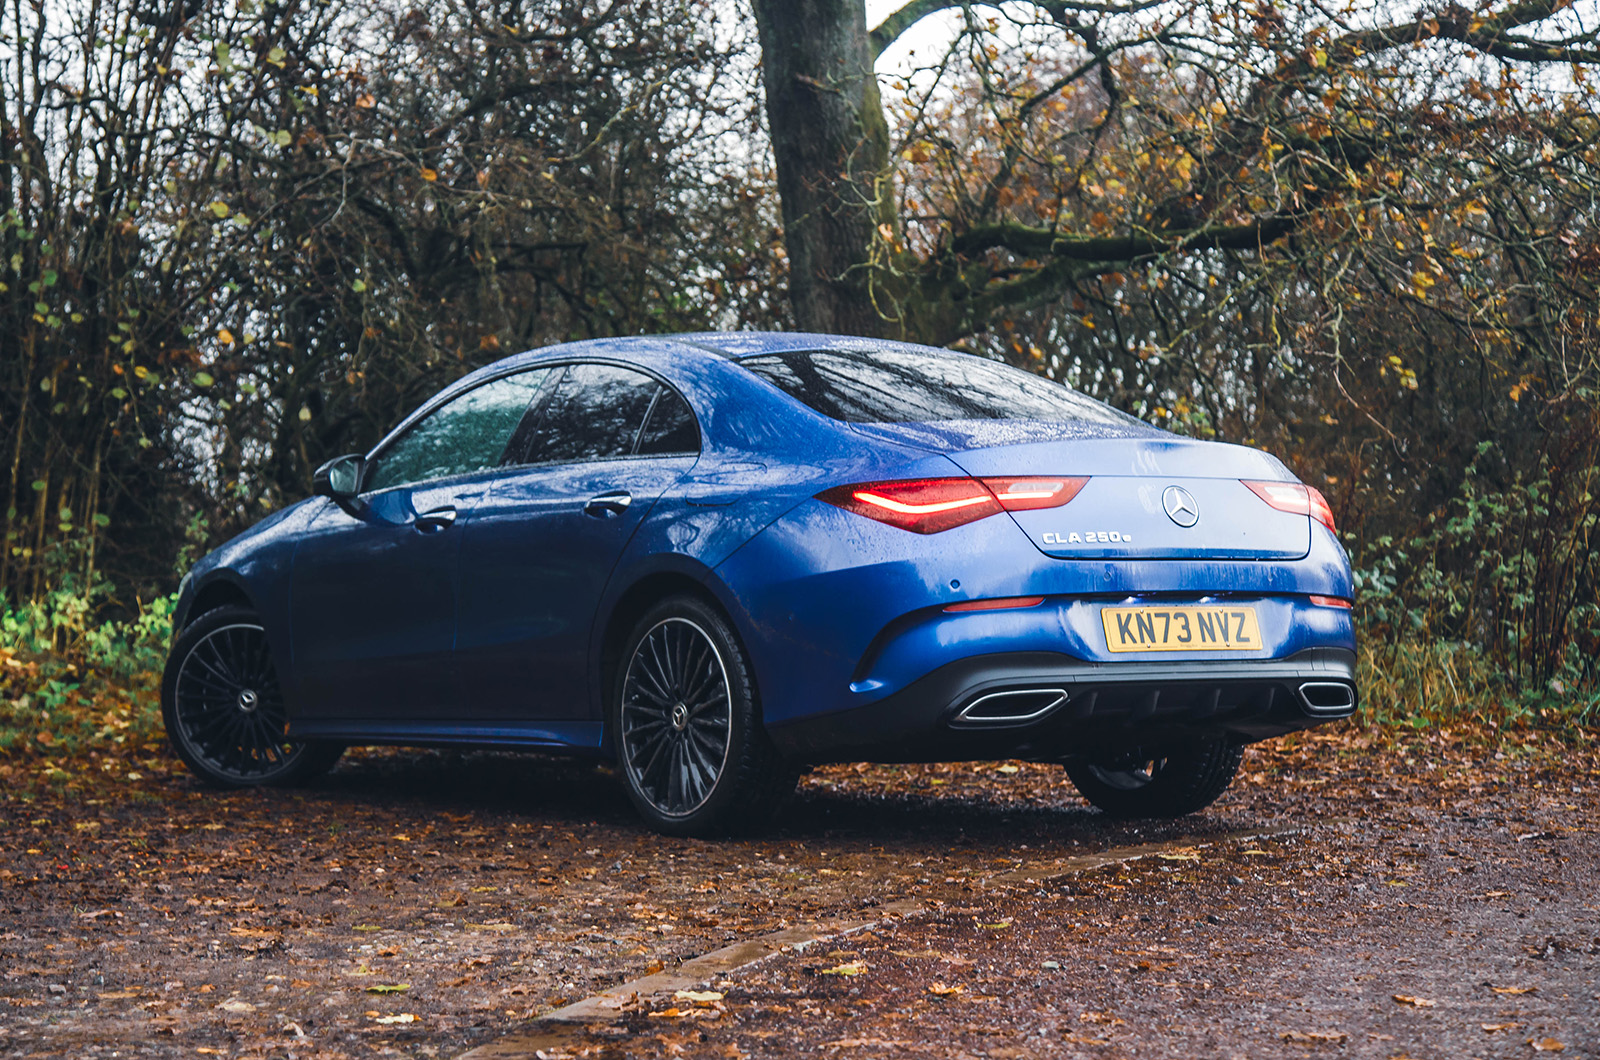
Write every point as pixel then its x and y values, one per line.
pixel 1049 705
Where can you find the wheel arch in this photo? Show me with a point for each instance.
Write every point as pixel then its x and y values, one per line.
pixel 219 591
pixel 644 592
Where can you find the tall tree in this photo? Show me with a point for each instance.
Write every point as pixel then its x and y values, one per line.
pixel 238 238
pixel 1195 126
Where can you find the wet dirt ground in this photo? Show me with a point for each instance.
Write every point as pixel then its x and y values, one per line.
pixel 1434 898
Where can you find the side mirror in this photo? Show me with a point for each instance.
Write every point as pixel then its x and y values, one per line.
pixel 340 478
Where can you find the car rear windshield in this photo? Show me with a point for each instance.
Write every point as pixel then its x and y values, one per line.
pixel 906 386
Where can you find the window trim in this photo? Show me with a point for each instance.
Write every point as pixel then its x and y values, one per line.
pixel 438 401
pixel 633 454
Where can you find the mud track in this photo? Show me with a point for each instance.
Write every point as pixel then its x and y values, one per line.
pixel 1348 897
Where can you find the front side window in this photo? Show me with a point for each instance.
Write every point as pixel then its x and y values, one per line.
pixel 905 386
pixel 599 412
pixel 467 434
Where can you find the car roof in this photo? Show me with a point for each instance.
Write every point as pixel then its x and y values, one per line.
pixel 705 358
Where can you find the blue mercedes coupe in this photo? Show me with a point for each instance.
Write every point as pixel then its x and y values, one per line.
pixel 719 559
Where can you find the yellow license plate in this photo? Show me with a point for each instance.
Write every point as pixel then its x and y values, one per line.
pixel 1186 628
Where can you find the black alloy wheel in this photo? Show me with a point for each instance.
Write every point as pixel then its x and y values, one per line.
pixel 1169 783
pixel 686 729
pixel 224 710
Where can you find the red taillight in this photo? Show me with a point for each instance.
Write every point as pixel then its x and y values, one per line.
pixel 929 505
pixel 1322 601
pixel 1296 499
pixel 1027 494
pixel 1000 603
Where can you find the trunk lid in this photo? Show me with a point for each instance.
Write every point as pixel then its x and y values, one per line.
pixel 1150 495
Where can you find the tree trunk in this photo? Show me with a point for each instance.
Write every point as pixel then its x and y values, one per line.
pixel 831 144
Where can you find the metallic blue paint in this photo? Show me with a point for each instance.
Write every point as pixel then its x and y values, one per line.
pixel 495 630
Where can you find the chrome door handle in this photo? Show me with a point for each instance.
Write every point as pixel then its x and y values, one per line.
pixel 606 505
pixel 431 522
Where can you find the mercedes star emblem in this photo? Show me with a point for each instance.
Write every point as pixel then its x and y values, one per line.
pixel 1180 506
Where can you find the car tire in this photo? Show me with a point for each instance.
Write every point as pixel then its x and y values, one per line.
pixel 685 726
pixel 224 711
pixel 1179 782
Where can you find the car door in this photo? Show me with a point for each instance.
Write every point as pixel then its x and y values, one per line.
pixel 374 587
pixel 603 446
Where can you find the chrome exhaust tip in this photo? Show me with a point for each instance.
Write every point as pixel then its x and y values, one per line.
pixel 1327 697
pixel 1017 706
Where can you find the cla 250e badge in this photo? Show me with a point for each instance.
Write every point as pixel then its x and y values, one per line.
pixel 1088 537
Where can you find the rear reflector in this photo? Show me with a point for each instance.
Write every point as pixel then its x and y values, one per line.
pixel 1331 601
pixel 999 603
pixel 1295 498
pixel 929 505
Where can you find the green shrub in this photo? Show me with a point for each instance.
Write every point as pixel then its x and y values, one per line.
pixel 1490 610
pixel 69 679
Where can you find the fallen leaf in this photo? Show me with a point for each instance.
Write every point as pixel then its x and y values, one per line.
pixel 1100 1017
pixel 1416 1002
pixel 404 1017
pixel 1546 1045
pixel 1497 894
pixel 998 925
pixel 237 1007
pixel 943 990
pixel 852 968
pixel 668 1014
pixel 1009 769
pixel 389 988
pixel 117 995
pixel 1314 1037
pixel 1513 989
pixel 500 927
pixel 1492 1027
pixel 699 997
pixel 1180 855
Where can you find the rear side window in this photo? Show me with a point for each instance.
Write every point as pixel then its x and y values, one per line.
pixel 467 434
pixel 670 428
pixel 905 386
pixel 600 412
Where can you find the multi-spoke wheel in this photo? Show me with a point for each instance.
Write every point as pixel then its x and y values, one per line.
pixel 224 710
pixel 686 729
pixel 1169 783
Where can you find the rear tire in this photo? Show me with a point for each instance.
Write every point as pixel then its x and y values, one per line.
pixel 224 710
pixel 686 726
pixel 1178 782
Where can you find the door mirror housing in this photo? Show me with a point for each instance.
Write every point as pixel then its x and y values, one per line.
pixel 340 478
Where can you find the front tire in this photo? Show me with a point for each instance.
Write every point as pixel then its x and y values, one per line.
pixel 1165 784
pixel 224 710
pixel 686 726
